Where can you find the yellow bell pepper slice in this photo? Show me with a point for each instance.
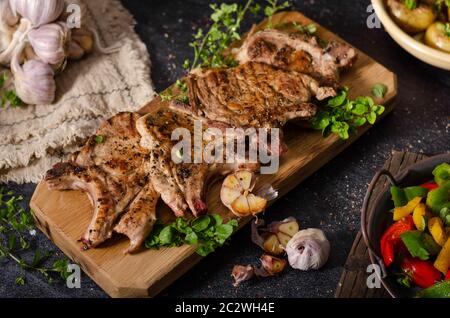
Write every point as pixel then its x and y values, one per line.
pixel 419 215
pixel 442 262
pixel 401 212
pixel 436 228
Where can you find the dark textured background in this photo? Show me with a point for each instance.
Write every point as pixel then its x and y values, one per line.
pixel 330 199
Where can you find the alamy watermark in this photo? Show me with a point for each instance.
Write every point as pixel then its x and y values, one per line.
pixel 74 278
pixel 232 145
pixel 374 277
pixel 372 20
pixel 74 19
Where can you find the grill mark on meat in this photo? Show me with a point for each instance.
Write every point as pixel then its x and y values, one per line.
pixel 255 94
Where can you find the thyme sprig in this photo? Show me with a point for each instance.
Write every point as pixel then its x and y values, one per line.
pixel 17 229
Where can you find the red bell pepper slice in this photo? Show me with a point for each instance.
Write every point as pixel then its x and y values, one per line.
pixel 391 238
pixel 447 277
pixel 422 273
pixel 430 185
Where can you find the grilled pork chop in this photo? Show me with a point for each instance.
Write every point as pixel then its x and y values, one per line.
pixel 111 169
pixel 252 95
pixel 298 52
pixel 182 182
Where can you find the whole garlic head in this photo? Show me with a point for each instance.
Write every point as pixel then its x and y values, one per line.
pixel 50 42
pixel 308 249
pixel 34 82
pixel 38 12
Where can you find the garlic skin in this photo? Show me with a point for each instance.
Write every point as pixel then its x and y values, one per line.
pixel 50 42
pixel 75 51
pixel 38 12
pixel 8 25
pixel 34 81
pixel 6 14
pixel 308 249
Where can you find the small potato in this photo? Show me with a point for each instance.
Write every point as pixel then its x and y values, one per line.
pixel 436 37
pixel 411 21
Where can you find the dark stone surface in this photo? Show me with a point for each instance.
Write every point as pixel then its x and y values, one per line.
pixel 331 198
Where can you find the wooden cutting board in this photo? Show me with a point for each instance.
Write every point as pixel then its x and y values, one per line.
pixel 64 215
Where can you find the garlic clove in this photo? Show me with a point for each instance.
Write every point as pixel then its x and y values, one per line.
pixel 308 249
pixel 16 41
pixel 283 238
pixel 241 274
pixel 75 51
pixel 84 39
pixel 232 182
pixel 228 195
pixel 256 204
pixel 240 206
pixel 272 265
pixel 50 42
pixel 272 244
pixel 34 80
pixel 7 17
pixel 38 12
pixel 245 178
pixel 288 226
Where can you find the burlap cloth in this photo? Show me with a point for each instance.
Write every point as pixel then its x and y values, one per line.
pixel 33 138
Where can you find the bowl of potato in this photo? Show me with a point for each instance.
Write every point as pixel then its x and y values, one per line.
pixel 421 27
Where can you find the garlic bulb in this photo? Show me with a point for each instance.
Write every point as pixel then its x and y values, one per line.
pixel 308 249
pixel 50 42
pixel 34 81
pixel 38 12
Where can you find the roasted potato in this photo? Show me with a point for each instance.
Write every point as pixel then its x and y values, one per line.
pixel 436 37
pixel 411 21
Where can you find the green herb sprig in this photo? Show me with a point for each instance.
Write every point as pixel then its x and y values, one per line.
pixel 16 224
pixel 272 8
pixel 411 4
pixel 343 116
pixel 210 46
pixel 208 232
pixel 447 29
pixel 9 97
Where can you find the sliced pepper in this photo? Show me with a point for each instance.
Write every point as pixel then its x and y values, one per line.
pixel 442 173
pixel 447 277
pixel 422 273
pixel 419 217
pixel 412 192
pixel 438 290
pixel 439 198
pixel 391 238
pixel 436 228
pixel 401 212
pixel 431 246
pixel 430 185
pixel 398 196
pixel 415 245
pixel 442 262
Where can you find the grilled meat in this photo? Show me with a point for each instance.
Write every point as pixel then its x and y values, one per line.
pixel 298 52
pixel 138 222
pixel 182 182
pixel 110 168
pixel 252 95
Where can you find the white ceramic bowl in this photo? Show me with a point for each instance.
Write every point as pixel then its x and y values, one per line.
pixel 418 49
